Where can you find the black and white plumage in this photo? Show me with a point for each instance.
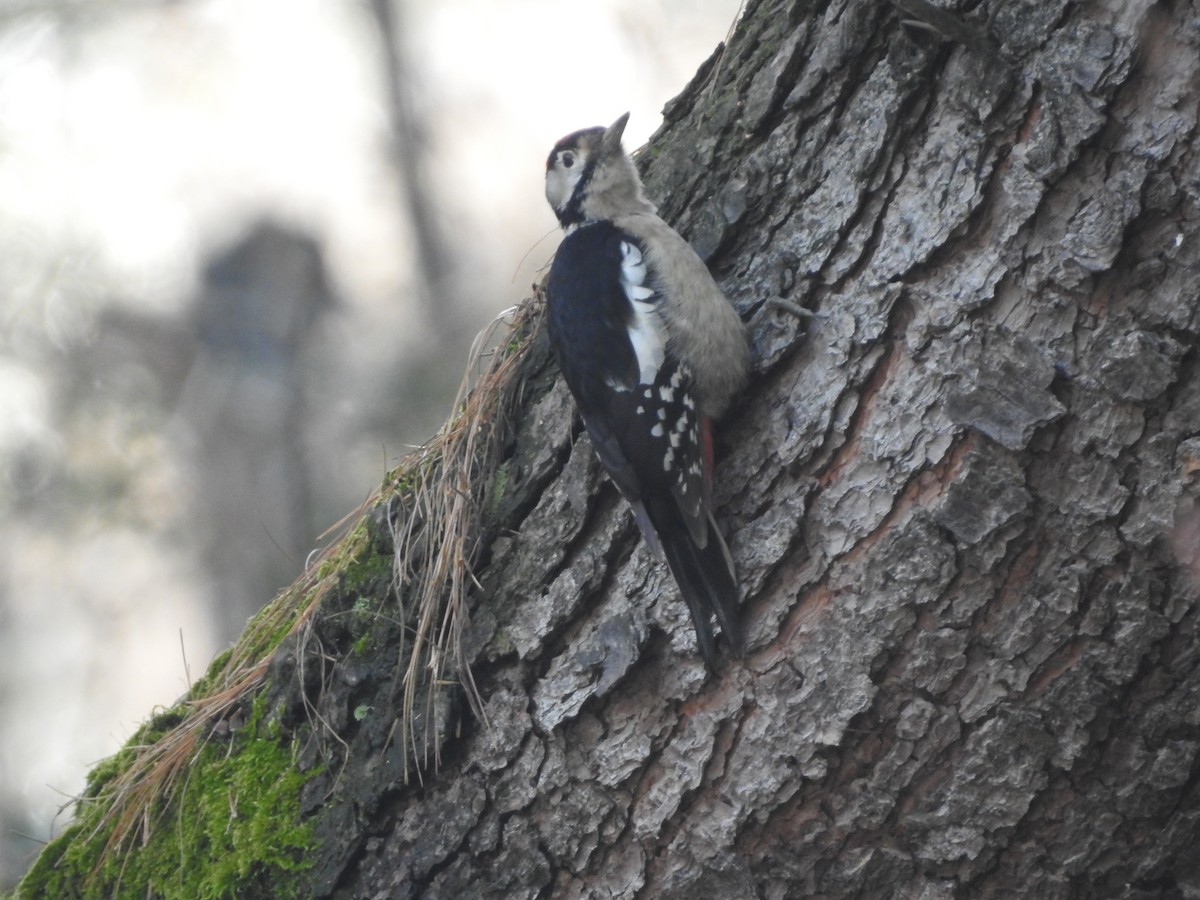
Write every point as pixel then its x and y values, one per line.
pixel 652 352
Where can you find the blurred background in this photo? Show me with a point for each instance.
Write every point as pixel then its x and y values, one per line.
pixel 244 248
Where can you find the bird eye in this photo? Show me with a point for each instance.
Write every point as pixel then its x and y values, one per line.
pixel 568 160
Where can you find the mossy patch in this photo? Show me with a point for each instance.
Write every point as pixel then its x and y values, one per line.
pixel 205 801
pixel 499 487
pixel 233 829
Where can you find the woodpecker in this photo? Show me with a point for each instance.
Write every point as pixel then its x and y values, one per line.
pixel 653 353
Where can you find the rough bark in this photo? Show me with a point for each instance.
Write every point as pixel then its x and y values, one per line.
pixel 963 504
pixel 962 500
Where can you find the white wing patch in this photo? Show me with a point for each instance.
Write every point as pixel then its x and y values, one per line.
pixel 647 331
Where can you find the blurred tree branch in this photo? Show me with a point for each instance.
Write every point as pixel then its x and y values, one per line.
pixel 437 284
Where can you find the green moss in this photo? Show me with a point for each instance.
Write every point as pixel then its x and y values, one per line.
pixel 366 577
pixel 516 342
pixel 210 678
pixel 225 821
pixel 148 733
pixel 499 486
pixel 362 646
pixel 231 829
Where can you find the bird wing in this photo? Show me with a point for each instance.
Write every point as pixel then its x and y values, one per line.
pixel 635 399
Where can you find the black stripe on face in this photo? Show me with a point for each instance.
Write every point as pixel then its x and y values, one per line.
pixel 572 213
pixel 584 144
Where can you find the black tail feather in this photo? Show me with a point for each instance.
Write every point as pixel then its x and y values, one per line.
pixel 705 577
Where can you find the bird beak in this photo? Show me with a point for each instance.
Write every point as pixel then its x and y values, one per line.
pixel 612 135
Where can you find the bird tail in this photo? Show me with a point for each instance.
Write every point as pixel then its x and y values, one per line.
pixel 704 574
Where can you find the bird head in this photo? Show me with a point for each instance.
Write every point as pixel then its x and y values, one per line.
pixel 590 177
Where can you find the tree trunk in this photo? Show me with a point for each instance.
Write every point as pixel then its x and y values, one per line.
pixel 962 501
